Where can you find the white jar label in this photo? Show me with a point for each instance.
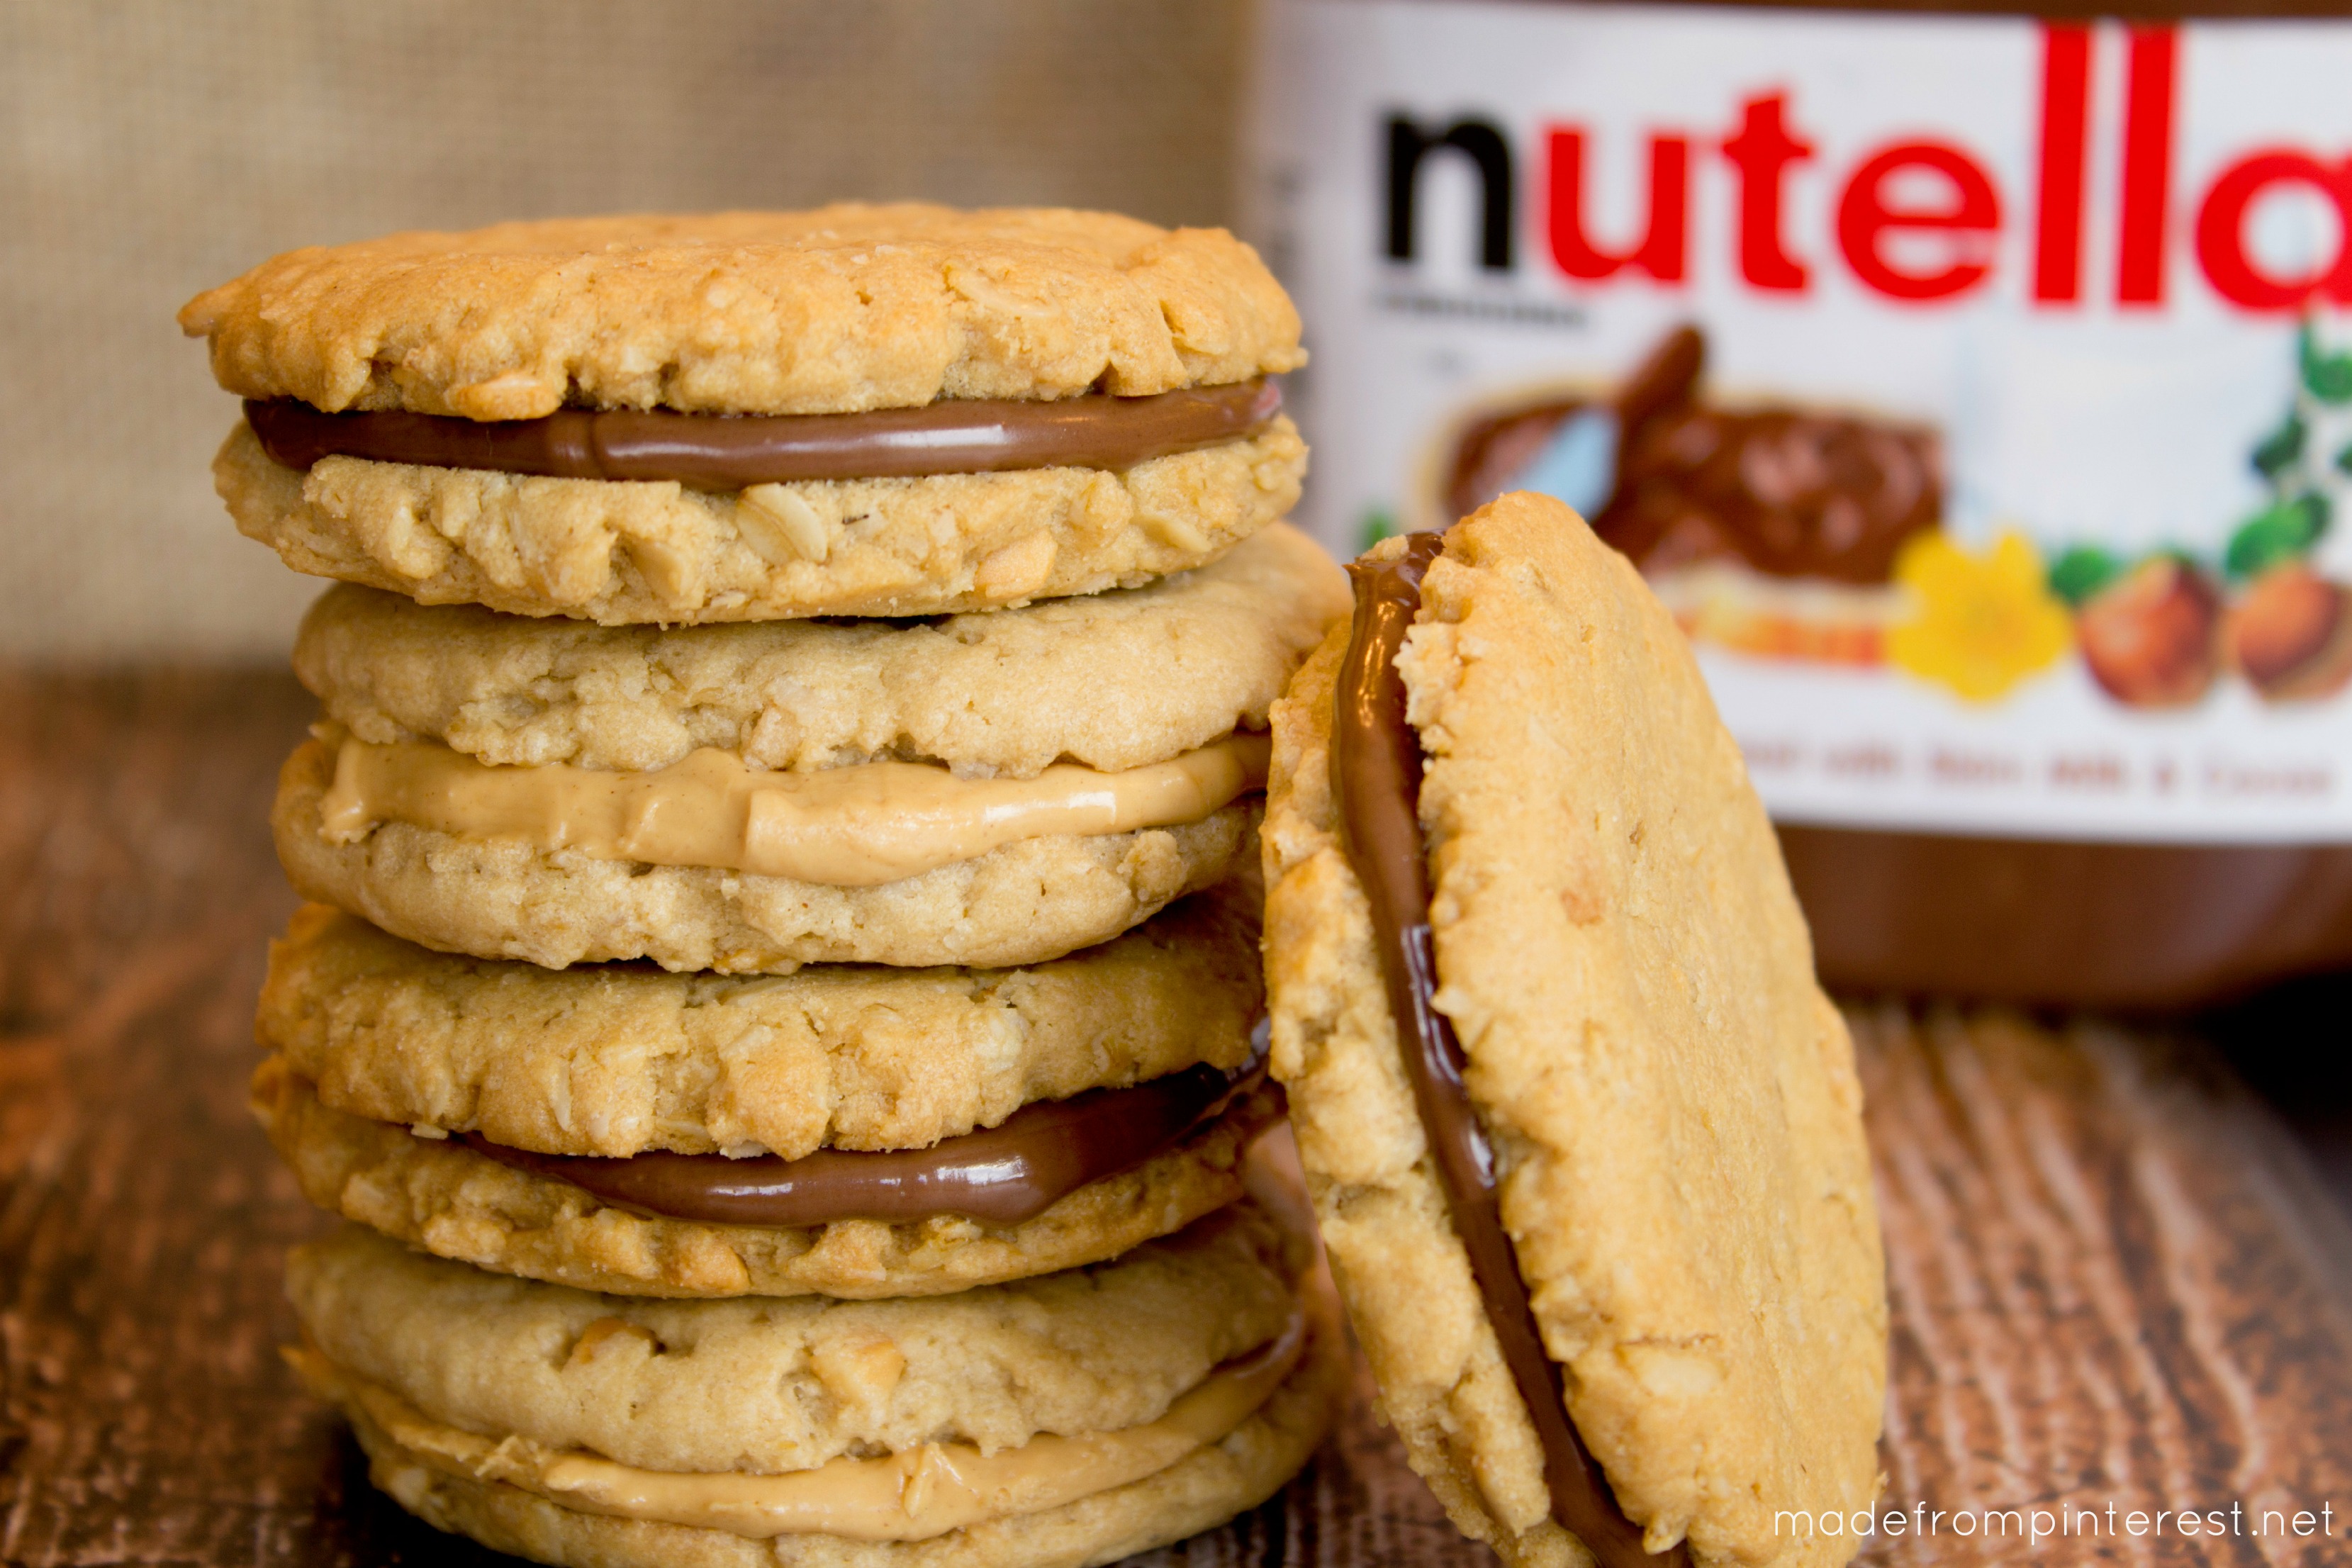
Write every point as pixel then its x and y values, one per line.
pixel 2015 496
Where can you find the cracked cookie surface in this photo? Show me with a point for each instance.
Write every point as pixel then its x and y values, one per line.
pixel 837 309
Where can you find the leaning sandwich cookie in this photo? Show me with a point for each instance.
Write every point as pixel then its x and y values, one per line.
pixel 990 789
pixel 1071 1419
pixel 889 410
pixel 1583 1135
pixel 852 1131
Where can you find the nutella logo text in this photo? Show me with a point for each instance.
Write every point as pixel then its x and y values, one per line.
pixel 1915 218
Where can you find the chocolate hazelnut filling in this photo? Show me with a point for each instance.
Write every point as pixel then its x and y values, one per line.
pixel 1376 769
pixel 1004 1174
pixel 730 451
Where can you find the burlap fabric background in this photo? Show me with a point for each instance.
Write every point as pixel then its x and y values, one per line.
pixel 152 149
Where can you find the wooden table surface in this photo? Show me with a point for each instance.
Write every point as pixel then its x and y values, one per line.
pixel 2116 1278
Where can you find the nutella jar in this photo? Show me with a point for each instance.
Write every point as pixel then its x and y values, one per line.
pixel 1977 390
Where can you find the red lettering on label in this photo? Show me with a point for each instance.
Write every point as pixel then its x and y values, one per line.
pixel 1917 222
pixel 1866 214
pixel 2148 167
pixel 1662 252
pixel 2066 104
pixel 1762 153
pixel 2221 230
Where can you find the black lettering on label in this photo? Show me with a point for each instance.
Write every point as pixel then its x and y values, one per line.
pixel 1483 144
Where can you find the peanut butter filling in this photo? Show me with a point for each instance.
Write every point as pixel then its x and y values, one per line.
pixel 914 1495
pixel 855 827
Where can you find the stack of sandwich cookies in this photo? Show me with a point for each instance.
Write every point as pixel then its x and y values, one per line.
pixel 793 1078
pixel 1582 1134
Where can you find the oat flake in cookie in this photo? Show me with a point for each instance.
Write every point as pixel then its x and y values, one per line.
pixel 1538 848
pixel 861 410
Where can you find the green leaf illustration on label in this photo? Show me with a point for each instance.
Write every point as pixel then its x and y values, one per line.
pixel 2328 377
pixel 2282 448
pixel 2083 572
pixel 2279 532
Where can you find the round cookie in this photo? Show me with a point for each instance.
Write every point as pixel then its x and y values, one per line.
pixel 500 1408
pixel 840 311
pixel 1683 1188
pixel 1113 681
pixel 621 552
pixel 618 1060
pixel 1116 682
pixel 441 1195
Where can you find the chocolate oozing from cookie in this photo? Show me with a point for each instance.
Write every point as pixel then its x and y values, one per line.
pixel 1376 769
pixel 728 451
pixel 1004 1174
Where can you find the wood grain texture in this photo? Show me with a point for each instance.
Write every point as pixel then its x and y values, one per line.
pixel 2114 1282
pixel 2114 1278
